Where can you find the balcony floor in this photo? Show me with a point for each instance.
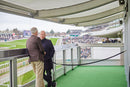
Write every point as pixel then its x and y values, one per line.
pixel 94 76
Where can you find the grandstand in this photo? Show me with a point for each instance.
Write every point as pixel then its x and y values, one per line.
pixel 75 33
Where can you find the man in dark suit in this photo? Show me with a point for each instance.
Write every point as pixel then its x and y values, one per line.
pixel 48 65
pixel 36 56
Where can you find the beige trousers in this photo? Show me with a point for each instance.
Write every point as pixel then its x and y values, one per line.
pixel 38 67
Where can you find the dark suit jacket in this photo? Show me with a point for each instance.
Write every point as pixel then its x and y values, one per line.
pixel 49 49
pixel 35 49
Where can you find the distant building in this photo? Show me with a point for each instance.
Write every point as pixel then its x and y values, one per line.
pixel 26 33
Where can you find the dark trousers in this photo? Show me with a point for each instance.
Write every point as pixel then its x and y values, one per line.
pixel 48 77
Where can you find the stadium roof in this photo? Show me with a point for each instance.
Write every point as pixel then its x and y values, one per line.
pixel 74 12
pixel 108 32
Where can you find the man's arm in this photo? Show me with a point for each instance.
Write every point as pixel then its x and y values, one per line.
pixel 52 49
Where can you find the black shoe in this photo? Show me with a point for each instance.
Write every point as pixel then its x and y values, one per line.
pixel 48 85
pixel 54 84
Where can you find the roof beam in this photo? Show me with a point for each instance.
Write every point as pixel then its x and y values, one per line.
pixel 16 9
pixel 103 20
pixel 87 19
pixel 73 9
pixel 94 17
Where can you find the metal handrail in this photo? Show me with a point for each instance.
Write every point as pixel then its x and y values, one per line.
pixel 13 55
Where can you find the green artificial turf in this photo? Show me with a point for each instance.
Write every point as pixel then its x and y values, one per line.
pixel 94 76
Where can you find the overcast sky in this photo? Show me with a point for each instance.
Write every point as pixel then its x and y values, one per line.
pixel 11 21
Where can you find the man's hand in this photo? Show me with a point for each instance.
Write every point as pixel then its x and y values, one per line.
pixel 44 53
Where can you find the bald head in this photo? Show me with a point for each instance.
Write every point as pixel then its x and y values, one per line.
pixel 42 35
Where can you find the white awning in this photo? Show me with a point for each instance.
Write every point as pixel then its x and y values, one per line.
pixel 76 12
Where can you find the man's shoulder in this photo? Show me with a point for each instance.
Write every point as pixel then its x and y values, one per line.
pixel 33 38
pixel 29 39
pixel 38 38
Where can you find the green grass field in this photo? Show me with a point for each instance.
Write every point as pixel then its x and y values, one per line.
pixel 18 44
pixel 54 40
pixel 4 62
pixel 29 76
pixel 25 78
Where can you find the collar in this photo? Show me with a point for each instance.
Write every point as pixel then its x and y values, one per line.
pixel 44 39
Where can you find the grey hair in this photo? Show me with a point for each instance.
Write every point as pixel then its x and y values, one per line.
pixel 33 30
